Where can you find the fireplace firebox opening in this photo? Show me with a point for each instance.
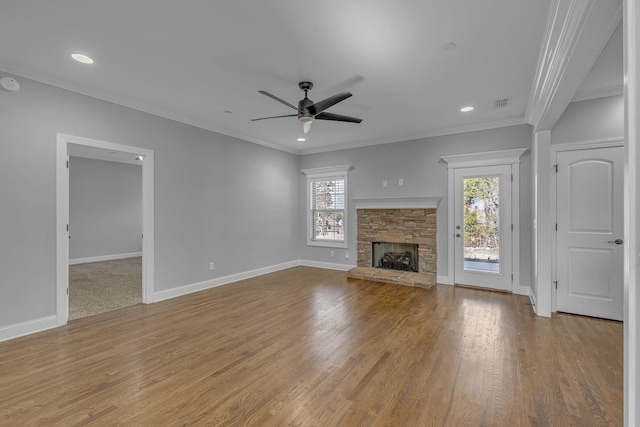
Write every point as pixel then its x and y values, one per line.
pixel 395 256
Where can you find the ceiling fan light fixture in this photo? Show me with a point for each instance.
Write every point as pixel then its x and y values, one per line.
pixel 306 123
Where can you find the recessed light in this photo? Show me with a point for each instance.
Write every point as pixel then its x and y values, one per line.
pixel 466 109
pixel 302 139
pixel 449 46
pixel 84 59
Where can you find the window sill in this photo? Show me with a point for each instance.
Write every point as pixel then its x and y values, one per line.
pixel 327 244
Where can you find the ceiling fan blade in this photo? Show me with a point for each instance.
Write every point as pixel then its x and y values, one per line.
pixel 320 106
pixel 337 118
pixel 274 117
pixel 278 99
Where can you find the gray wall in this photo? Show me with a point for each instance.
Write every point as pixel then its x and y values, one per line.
pixel 418 164
pixel 105 208
pixel 215 196
pixel 597 119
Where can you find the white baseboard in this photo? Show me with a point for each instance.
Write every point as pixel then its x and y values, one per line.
pixel 532 298
pixel 443 280
pixel 327 265
pixel 522 290
pixel 208 284
pixel 29 327
pixel 104 258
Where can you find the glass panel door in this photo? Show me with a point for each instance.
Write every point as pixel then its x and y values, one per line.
pixel 483 226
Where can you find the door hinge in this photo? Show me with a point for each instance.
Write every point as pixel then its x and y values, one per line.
pixel 556 226
pixel 67 164
pixel 511 177
pixel 556 167
pixel 67 291
pixel 511 227
pixel 555 282
pixel 67 227
pixel 512 277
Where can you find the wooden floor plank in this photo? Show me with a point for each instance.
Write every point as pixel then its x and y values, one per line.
pixel 309 347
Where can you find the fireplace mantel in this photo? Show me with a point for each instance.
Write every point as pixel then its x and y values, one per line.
pixel 396 202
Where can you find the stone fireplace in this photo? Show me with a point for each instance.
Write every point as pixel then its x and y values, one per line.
pixel 401 228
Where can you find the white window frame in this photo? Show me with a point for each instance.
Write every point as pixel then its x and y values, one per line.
pixel 326 174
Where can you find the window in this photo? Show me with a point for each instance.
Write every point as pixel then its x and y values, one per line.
pixel 327 206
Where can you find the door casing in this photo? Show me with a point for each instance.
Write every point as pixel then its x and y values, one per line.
pixel 487 158
pixel 62 218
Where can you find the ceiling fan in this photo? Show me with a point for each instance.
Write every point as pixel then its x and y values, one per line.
pixel 308 111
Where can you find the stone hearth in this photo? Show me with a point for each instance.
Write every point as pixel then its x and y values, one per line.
pixel 397 225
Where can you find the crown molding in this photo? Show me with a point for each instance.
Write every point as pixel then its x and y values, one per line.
pixel 564 25
pixel 428 134
pixel 485 158
pixel 586 95
pixel 576 32
pixel 135 105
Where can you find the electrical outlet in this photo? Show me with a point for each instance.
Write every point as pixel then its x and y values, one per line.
pixel 211 266
pixel 346 255
pixel 401 181
pixel 331 253
pixel 384 183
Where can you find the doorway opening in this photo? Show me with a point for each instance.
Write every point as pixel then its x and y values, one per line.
pixel 105 231
pixel 66 145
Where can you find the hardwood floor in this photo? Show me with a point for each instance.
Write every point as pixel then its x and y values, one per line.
pixel 307 347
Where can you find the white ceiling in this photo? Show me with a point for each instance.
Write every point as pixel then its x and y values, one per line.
pixel 203 62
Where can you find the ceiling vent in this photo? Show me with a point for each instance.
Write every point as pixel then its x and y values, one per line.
pixel 502 103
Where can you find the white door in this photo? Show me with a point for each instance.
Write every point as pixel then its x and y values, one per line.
pixel 483 227
pixel 589 246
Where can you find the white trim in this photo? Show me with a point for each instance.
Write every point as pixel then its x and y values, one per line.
pixel 631 324
pixel 485 158
pixel 87 260
pixel 327 172
pixel 574 28
pixel 542 220
pixel 137 105
pixel 586 145
pixel 62 218
pixel 26 328
pixel 532 298
pixel 397 202
pixel 62 233
pixel 220 281
pixel 326 265
pixel 444 280
pixel 522 290
pixel 586 95
pixel 320 174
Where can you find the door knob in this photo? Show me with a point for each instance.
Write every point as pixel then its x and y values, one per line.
pixel 457 235
pixel 617 241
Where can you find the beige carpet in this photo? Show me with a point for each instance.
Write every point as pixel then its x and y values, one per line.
pixel 97 287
